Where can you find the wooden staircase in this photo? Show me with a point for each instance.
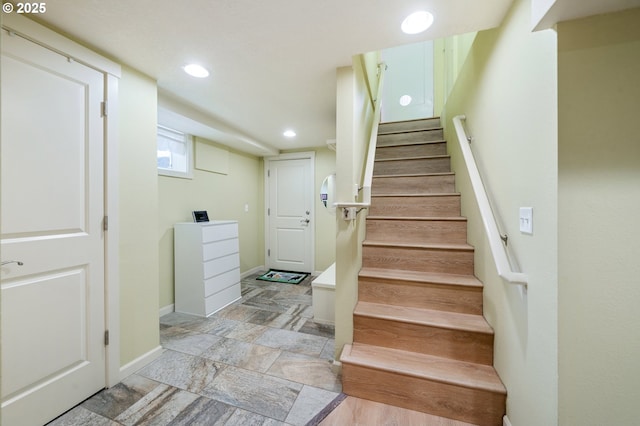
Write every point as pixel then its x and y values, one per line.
pixel 420 340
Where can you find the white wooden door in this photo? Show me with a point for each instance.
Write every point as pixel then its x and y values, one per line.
pixel 290 214
pixel 51 204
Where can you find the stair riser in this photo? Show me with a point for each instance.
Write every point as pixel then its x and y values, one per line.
pixel 434 135
pixel 407 126
pixel 413 184
pixel 441 206
pixel 419 259
pixel 452 298
pixel 412 166
pixel 417 231
pixel 474 406
pixel 454 344
pixel 413 150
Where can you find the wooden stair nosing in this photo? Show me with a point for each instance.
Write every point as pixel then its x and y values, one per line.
pixel 419 157
pixel 431 246
pixel 420 218
pixel 414 195
pixel 412 120
pixel 424 317
pixel 424 366
pixel 410 143
pixel 414 175
pixel 417 277
pixel 399 132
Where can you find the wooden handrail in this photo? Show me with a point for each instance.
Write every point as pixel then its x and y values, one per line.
pixel 367 177
pixel 496 241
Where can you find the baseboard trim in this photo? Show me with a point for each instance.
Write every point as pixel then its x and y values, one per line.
pixel 505 421
pixel 252 271
pixel 144 359
pixel 167 309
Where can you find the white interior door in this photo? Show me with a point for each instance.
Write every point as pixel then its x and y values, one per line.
pixel 290 214
pixel 53 311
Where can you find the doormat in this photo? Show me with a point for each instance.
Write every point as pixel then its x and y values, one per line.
pixel 283 276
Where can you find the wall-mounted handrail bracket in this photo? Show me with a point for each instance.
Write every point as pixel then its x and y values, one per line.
pixel 498 250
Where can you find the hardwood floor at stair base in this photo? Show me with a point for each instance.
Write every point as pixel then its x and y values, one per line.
pixel 453 344
pixel 460 403
pixel 418 259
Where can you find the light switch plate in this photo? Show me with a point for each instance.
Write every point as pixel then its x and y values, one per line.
pixel 526 220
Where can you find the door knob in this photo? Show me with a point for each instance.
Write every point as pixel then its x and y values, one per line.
pixel 305 221
pixel 6 262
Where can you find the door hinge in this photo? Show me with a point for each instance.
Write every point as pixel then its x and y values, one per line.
pixel 105 223
pixel 268 211
pixel 106 337
pixel 103 108
pixel 269 252
pixel 268 172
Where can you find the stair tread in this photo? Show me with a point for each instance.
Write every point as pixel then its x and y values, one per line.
pixel 410 143
pixel 422 316
pixel 421 277
pixel 396 132
pixel 420 157
pixel 426 194
pixel 435 246
pixel 415 175
pixel 417 218
pixel 444 370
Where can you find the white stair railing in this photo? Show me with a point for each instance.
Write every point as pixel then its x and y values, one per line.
pixel 496 242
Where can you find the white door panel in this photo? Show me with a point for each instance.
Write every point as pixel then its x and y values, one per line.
pixel 53 353
pixel 290 186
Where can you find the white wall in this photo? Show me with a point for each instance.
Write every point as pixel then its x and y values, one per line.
pixel 598 231
pixel 138 188
pixel 507 89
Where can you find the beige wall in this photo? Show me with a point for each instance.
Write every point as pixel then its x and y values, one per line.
pixel 598 231
pixel 507 89
pixel 138 219
pixel 325 235
pixel 353 128
pixel 224 196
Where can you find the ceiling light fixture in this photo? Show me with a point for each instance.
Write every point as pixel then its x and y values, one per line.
pixel 196 70
pixel 417 22
pixel 289 133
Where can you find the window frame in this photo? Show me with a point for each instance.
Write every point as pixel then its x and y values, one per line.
pixel 188 142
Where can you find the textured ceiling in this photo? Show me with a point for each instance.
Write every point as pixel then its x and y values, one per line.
pixel 273 62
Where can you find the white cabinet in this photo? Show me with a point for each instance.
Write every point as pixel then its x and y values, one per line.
pixel 207 266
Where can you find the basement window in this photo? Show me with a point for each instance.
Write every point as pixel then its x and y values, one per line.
pixel 174 153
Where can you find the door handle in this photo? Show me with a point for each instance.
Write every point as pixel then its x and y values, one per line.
pixel 304 221
pixel 7 262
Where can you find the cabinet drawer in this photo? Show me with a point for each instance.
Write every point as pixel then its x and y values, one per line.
pixel 219 232
pixel 222 264
pixel 217 301
pixel 222 281
pixel 219 249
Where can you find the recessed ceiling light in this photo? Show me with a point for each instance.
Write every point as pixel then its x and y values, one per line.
pixel 405 100
pixel 196 70
pixel 417 22
pixel 289 133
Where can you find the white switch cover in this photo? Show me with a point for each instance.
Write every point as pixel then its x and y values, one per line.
pixel 246 207
pixel 526 220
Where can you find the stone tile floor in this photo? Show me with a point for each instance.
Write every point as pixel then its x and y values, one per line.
pixel 261 361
